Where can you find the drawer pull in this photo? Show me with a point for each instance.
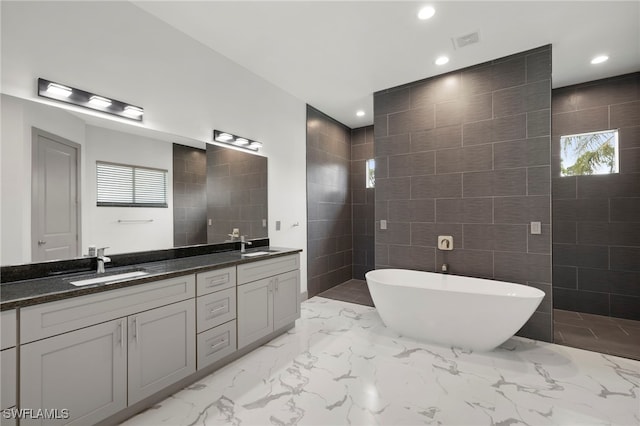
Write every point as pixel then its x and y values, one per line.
pixel 218 281
pixel 221 342
pixel 218 309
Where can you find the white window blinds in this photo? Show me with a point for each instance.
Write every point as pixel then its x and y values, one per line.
pixel 120 185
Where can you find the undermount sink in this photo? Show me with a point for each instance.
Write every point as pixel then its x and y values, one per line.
pixel 258 253
pixel 109 278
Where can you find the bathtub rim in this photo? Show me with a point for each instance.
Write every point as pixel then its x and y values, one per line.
pixel 489 287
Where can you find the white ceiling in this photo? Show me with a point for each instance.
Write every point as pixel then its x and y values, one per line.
pixel 335 54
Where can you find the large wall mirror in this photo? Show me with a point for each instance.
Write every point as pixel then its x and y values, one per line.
pixel 50 186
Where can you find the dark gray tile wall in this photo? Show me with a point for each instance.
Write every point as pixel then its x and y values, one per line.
pixel 329 220
pixel 467 154
pixel 596 219
pixel 363 202
pixel 236 194
pixel 189 196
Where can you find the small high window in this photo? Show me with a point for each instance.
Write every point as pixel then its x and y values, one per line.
pixel 593 153
pixel 371 173
pixel 120 185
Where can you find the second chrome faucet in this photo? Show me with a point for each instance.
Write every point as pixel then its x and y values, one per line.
pixel 102 259
pixel 243 244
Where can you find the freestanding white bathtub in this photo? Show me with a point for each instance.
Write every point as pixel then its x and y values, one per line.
pixel 451 310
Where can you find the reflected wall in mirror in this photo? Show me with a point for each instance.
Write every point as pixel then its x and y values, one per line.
pixel 218 191
pixel 236 194
pixel 124 229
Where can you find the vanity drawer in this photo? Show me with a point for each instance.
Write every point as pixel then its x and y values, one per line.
pixel 219 279
pixel 254 271
pixel 215 344
pixel 215 309
pixel 8 329
pixel 48 319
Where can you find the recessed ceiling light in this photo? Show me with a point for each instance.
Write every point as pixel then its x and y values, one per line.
pixel 442 60
pixel 426 12
pixel 599 59
pixel 360 113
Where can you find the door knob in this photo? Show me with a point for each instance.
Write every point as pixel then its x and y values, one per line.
pixel 41 242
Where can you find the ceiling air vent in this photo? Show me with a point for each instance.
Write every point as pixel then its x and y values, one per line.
pixel 465 40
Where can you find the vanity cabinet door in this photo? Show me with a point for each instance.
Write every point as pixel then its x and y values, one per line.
pixel 83 371
pixel 255 311
pixel 286 307
pixel 162 348
pixel 8 378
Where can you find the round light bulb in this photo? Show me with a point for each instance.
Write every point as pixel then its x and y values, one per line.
pixel 442 60
pixel 426 13
pixel 599 59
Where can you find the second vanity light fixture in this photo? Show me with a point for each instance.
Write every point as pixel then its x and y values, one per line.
pixel 238 141
pixel 62 93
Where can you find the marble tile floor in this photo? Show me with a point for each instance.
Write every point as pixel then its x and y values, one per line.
pixel 341 366
pixel 608 335
pixel 353 291
pixel 614 336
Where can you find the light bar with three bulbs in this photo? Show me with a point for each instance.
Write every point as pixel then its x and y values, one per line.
pixel 238 141
pixel 63 93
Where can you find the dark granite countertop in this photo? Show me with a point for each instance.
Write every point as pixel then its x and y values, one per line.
pixel 40 290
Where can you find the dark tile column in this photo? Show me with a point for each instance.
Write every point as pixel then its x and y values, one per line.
pixel 189 196
pixel 467 154
pixel 363 203
pixel 596 219
pixel 329 237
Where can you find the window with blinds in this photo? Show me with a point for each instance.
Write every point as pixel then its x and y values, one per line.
pixel 120 185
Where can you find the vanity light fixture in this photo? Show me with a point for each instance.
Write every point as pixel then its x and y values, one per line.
pixel 62 93
pixel 133 111
pixel 599 59
pixel 237 141
pixel 59 90
pixel 99 101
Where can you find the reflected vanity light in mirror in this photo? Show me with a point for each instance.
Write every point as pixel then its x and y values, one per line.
pixel 238 141
pixel 59 92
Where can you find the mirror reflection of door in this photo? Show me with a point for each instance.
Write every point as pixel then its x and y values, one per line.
pixel 55 212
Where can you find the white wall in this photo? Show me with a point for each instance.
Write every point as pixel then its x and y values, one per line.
pixel 117 50
pixel 18 118
pixel 101 227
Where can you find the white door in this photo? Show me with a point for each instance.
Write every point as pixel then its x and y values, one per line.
pixel 83 371
pixel 286 308
pixel 255 311
pixel 162 348
pixel 54 207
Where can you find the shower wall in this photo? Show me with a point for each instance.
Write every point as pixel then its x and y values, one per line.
pixel 596 219
pixel 467 154
pixel 329 231
pixel 363 207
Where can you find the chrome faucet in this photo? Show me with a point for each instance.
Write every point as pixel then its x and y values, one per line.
pixel 102 259
pixel 244 243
